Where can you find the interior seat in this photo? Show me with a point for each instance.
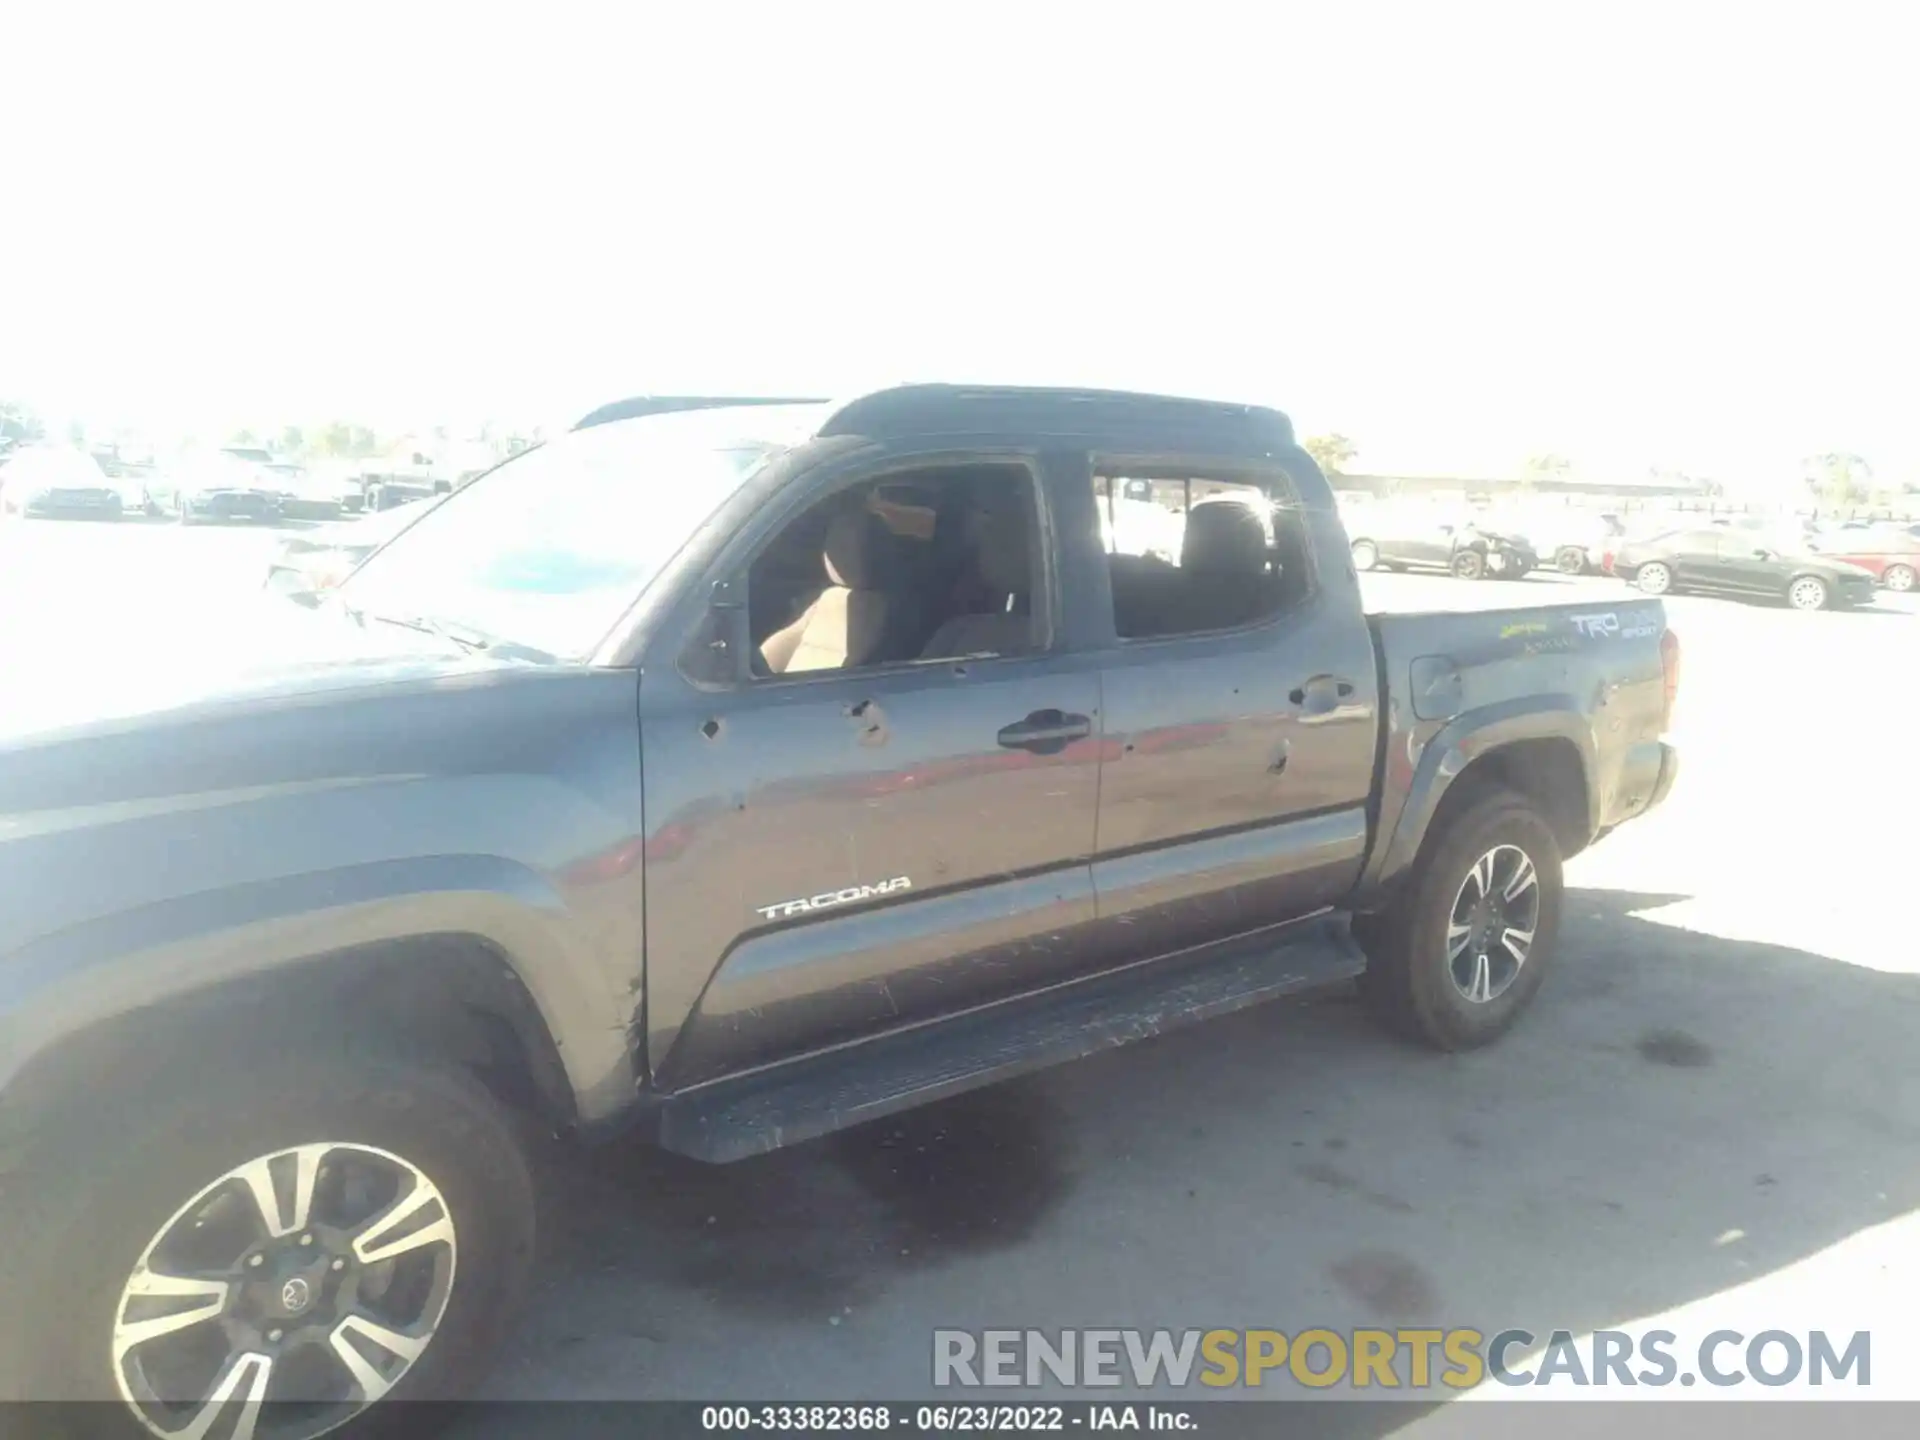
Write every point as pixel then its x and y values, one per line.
pixel 1004 562
pixel 1146 595
pixel 1223 566
pixel 849 623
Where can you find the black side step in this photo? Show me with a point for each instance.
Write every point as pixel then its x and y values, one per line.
pixel 803 1099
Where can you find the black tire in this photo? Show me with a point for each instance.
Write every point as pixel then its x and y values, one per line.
pixel 1570 560
pixel 1469 565
pixel 78 1219
pixel 1408 984
pixel 1898 578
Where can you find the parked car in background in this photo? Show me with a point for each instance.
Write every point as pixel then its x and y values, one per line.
pixel 341 479
pixel 1730 560
pixel 1131 525
pixel 1572 541
pixel 58 480
pixel 309 495
pixel 383 492
pixel 1390 540
pixel 313 562
pixel 1890 553
pixel 225 486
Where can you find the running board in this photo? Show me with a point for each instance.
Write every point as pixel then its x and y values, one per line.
pixel 804 1099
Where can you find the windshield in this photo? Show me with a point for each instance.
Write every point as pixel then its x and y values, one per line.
pixel 549 549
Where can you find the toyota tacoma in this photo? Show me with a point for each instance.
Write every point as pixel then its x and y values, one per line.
pixel 723 777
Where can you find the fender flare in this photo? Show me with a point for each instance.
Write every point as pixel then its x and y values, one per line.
pixel 1450 751
pixel 63 984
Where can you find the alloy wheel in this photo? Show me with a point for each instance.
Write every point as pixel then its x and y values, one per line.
pixel 309 1281
pixel 1898 578
pixel 1807 593
pixel 1491 926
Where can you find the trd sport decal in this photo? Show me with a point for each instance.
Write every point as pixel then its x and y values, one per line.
pixel 786 909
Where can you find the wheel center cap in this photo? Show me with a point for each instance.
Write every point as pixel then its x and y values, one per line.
pixel 295 1296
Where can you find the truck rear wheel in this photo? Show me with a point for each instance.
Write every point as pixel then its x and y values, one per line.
pixel 1465 945
pixel 339 1233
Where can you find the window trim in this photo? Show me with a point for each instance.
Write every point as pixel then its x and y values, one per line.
pixel 736 560
pixel 1270 477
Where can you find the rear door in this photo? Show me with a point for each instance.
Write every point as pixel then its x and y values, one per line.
pixel 835 851
pixel 1239 718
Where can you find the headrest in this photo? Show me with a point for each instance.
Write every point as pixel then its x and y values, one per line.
pixel 857 550
pixel 1000 535
pixel 1224 538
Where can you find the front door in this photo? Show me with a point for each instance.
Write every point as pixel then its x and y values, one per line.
pixel 1695 559
pixel 872 832
pixel 1746 566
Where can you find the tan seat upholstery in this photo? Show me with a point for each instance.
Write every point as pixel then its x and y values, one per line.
pixel 846 624
pixel 1003 557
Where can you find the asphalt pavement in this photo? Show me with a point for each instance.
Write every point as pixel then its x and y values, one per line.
pixel 1711 1115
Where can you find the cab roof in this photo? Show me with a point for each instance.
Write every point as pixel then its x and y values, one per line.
pixel 911 411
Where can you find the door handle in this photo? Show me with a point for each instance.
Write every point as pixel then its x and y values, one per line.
pixel 1045 732
pixel 1321 693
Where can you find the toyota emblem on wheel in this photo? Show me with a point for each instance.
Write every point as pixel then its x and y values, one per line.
pixel 295 1295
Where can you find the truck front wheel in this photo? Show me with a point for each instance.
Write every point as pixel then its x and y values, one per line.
pixel 339 1233
pixel 1465 945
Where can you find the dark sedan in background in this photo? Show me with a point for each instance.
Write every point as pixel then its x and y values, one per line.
pixel 225 486
pixel 1726 560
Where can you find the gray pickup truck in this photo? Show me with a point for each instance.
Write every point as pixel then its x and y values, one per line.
pixel 725 777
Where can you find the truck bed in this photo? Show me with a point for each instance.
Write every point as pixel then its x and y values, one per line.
pixel 1461 682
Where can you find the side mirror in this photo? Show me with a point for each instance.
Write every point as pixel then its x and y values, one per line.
pixel 1763 553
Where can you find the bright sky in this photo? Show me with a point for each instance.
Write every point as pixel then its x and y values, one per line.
pixel 1461 234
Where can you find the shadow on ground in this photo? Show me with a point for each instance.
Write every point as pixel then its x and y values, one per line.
pixel 1286 1167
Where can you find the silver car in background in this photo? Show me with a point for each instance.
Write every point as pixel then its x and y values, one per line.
pixel 316 560
pixel 58 480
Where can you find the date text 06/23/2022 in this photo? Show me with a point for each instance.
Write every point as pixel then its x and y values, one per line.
pixel 945 1418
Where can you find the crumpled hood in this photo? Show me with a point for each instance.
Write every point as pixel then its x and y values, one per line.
pixel 262 650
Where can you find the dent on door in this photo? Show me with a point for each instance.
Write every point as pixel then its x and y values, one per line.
pixel 853 855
